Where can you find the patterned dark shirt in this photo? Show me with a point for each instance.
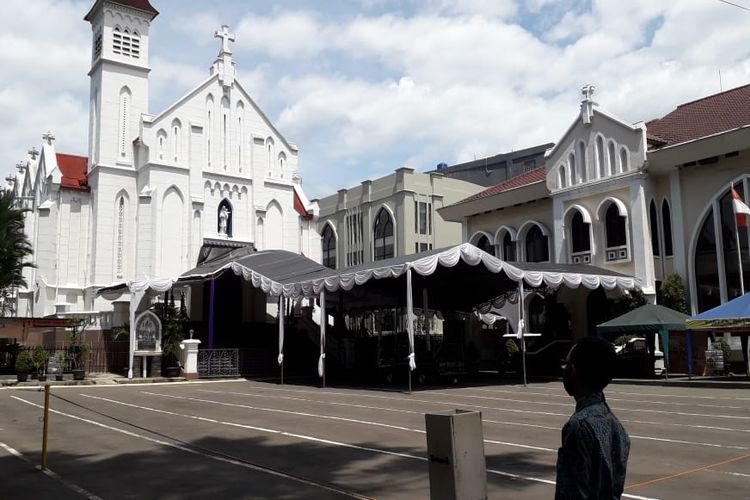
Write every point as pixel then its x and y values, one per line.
pixel 594 455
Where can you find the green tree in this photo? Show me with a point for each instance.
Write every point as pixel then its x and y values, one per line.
pixel 15 249
pixel 673 294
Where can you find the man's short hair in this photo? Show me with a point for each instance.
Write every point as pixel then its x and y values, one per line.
pixel 594 359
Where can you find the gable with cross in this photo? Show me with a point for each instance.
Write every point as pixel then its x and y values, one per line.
pixel 226 37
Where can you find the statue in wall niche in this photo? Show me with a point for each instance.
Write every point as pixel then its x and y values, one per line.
pixel 223 218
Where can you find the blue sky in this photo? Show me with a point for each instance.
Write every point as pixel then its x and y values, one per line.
pixel 364 87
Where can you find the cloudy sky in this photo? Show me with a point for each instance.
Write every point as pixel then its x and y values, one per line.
pixel 366 86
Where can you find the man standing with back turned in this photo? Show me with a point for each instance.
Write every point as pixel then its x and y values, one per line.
pixel 594 455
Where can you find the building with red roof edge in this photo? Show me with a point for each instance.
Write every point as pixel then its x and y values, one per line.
pixel 157 191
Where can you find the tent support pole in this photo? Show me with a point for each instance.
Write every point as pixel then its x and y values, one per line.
pixel 281 337
pixel 410 323
pixel 211 314
pixel 664 337
pixel 521 328
pixel 425 310
pixel 134 299
pixel 689 341
pixel 323 321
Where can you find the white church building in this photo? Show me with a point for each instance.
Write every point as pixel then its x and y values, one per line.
pixel 157 190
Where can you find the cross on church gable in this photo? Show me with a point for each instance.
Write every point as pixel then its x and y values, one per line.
pixel 48 137
pixel 33 153
pixel 588 92
pixel 226 37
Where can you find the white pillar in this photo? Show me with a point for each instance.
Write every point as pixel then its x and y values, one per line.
pixel 189 358
pixel 135 298
pixel 323 321
pixel 281 336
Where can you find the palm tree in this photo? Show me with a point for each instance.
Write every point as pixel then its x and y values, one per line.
pixel 14 250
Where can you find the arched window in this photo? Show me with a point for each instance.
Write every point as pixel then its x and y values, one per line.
pixel 120 238
pixel 282 164
pixel 509 248
pixel 612 159
pixel 176 134
pixel 209 129
pixel 483 243
pixel 581 162
pixel 537 249
pixel 383 235
pixel 270 151
pixel 615 226
pixel 161 143
pixel 240 115
pixel 573 170
pixel 706 266
pixel 329 247
pixel 624 165
pixel 124 122
pixel 654 226
pixel 666 222
pixel 225 131
pixel 580 236
pixel 601 164
pixel 562 179
pixel 224 218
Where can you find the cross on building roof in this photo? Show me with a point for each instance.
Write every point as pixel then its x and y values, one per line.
pixel 33 153
pixel 226 37
pixel 48 137
pixel 588 92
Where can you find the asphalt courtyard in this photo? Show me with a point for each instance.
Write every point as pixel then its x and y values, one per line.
pixel 246 439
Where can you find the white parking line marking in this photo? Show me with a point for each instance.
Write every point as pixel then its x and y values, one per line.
pixel 183 448
pixel 294 435
pixel 81 491
pixel 525 412
pixel 500 391
pixel 327 417
pixel 632 436
pixel 739 474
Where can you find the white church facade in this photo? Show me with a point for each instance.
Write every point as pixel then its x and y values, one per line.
pixel 156 190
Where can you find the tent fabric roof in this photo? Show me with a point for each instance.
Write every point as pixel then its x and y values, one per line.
pixel 733 314
pixel 647 318
pixel 453 275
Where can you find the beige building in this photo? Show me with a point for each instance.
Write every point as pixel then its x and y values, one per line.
pixel 649 199
pixel 390 216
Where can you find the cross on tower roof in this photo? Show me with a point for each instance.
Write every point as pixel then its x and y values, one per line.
pixel 48 137
pixel 20 166
pixel 226 37
pixel 33 153
pixel 588 92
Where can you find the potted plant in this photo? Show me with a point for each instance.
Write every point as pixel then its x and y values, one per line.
pixel 39 362
pixel 62 358
pixel 78 350
pixel 175 323
pixel 23 365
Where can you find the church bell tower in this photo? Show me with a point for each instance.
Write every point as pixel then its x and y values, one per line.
pixel 119 78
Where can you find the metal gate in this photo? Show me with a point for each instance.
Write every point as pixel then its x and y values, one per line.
pixel 218 363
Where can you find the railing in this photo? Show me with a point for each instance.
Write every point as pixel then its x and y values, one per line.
pixel 100 360
pixel 218 363
pixel 617 253
pixel 581 257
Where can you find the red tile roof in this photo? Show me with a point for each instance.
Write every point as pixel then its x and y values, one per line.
pixel 73 170
pixel 143 5
pixel 533 176
pixel 707 116
pixel 300 208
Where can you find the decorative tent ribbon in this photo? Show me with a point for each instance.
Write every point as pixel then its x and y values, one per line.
pixel 412 362
pixel 321 359
pixel 280 359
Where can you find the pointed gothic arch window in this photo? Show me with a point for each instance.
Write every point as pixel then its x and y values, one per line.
pixel 225 131
pixel 483 243
pixel 666 222
pixel 161 140
pixel 562 177
pixel 329 247
pixel 654 227
pixel 240 115
pixel 120 238
pixel 176 137
pixel 573 170
pixel 581 162
pixel 224 218
pixel 209 128
pixel 383 235
pixel 282 164
pixel 270 151
pixel 601 163
pixel 509 247
pixel 124 122
pixel 612 159
pixel 536 245
pixel 580 235
pixel 624 164
pixel 616 228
